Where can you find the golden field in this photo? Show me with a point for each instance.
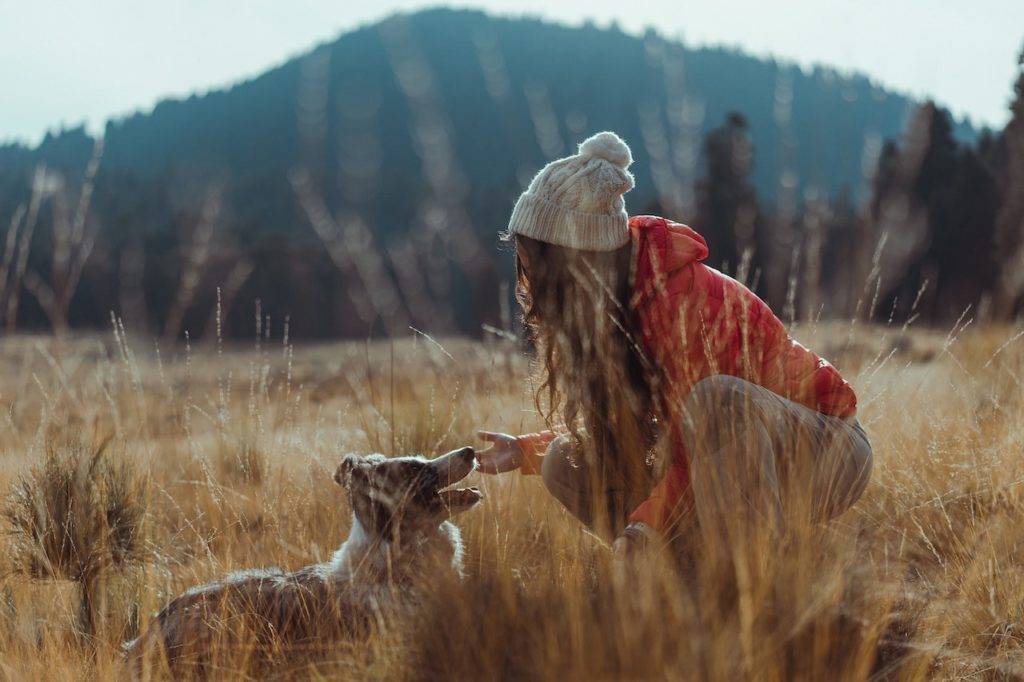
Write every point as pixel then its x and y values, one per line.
pixel 219 457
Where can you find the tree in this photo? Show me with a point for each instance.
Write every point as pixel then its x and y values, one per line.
pixel 1009 227
pixel 897 223
pixel 72 237
pixel 959 195
pixel 18 243
pixel 932 216
pixel 726 200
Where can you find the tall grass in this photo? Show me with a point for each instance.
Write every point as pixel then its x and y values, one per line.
pixel 224 457
pixel 78 516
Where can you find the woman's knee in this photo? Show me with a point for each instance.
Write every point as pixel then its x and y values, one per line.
pixel 556 468
pixel 856 475
pixel 719 389
pixel 718 401
pixel 566 478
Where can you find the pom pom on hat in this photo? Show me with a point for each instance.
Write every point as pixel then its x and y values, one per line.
pixel 607 146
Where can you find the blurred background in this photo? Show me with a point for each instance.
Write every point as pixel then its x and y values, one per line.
pixel 229 166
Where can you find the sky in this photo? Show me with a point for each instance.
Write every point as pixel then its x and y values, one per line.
pixel 65 63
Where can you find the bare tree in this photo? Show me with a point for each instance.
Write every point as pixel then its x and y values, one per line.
pixel 208 250
pixel 351 247
pixel 9 288
pixel 226 294
pixel 18 243
pixel 196 258
pixel 72 237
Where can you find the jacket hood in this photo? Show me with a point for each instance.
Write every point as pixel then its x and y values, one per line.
pixel 676 245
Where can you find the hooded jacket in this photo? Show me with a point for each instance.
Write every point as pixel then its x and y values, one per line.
pixel 696 322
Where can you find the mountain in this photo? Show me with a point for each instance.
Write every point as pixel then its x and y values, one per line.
pixel 421 130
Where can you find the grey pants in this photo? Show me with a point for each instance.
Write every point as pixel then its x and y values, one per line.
pixel 757 461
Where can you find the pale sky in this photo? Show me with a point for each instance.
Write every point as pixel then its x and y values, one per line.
pixel 69 62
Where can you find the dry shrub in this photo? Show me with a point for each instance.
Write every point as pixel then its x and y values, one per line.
pixel 75 517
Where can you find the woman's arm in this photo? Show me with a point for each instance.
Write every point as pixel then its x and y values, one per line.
pixel 508 452
pixel 533 446
pixel 797 373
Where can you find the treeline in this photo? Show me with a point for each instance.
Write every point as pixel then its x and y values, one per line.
pixel 359 189
pixel 939 236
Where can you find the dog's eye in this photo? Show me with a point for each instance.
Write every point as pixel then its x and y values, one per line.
pixel 428 479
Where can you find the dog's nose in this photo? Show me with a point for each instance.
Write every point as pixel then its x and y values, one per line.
pixel 455 465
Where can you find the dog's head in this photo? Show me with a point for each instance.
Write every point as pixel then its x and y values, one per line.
pixel 407 494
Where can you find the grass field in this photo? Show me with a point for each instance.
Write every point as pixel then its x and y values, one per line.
pixel 217 458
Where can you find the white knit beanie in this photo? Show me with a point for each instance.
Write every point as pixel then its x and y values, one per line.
pixel 577 201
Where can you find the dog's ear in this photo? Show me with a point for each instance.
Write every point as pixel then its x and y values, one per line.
pixel 343 474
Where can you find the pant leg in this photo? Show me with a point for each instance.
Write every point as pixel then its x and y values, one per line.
pixel 759 461
pixel 564 477
pixel 598 497
pixel 756 458
pixel 733 469
pixel 842 468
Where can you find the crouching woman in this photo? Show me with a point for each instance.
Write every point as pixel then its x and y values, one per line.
pixel 675 396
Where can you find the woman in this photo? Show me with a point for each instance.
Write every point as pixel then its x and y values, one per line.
pixel 681 395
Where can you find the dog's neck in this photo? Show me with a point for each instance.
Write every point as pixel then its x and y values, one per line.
pixel 368 557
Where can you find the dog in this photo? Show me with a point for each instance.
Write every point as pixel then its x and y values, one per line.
pixel 400 536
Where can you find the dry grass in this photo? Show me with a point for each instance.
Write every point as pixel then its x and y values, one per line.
pixel 230 454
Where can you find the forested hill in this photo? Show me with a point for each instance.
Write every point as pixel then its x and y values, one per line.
pixel 493 78
pixel 432 122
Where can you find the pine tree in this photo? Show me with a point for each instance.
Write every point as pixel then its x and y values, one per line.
pixel 934 203
pixel 726 200
pixel 842 276
pixel 896 226
pixel 1009 229
pixel 960 195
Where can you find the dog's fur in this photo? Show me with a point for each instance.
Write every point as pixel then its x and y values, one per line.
pixel 400 535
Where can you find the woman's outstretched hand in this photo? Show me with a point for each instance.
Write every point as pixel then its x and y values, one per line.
pixel 503 455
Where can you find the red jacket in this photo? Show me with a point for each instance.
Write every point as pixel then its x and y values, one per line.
pixel 696 322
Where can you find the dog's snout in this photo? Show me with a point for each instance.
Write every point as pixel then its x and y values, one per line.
pixel 455 465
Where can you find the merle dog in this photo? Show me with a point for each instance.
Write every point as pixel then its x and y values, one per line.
pixel 400 536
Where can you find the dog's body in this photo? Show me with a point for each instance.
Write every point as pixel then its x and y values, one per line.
pixel 400 535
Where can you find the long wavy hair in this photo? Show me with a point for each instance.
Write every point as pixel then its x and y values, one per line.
pixel 576 311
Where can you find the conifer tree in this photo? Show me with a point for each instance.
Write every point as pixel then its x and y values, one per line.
pixel 1009 229
pixel 726 199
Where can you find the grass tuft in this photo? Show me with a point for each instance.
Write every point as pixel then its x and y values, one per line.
pixel 76 516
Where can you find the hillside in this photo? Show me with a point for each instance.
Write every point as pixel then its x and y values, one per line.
pixel 485 71
pixel 430 123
